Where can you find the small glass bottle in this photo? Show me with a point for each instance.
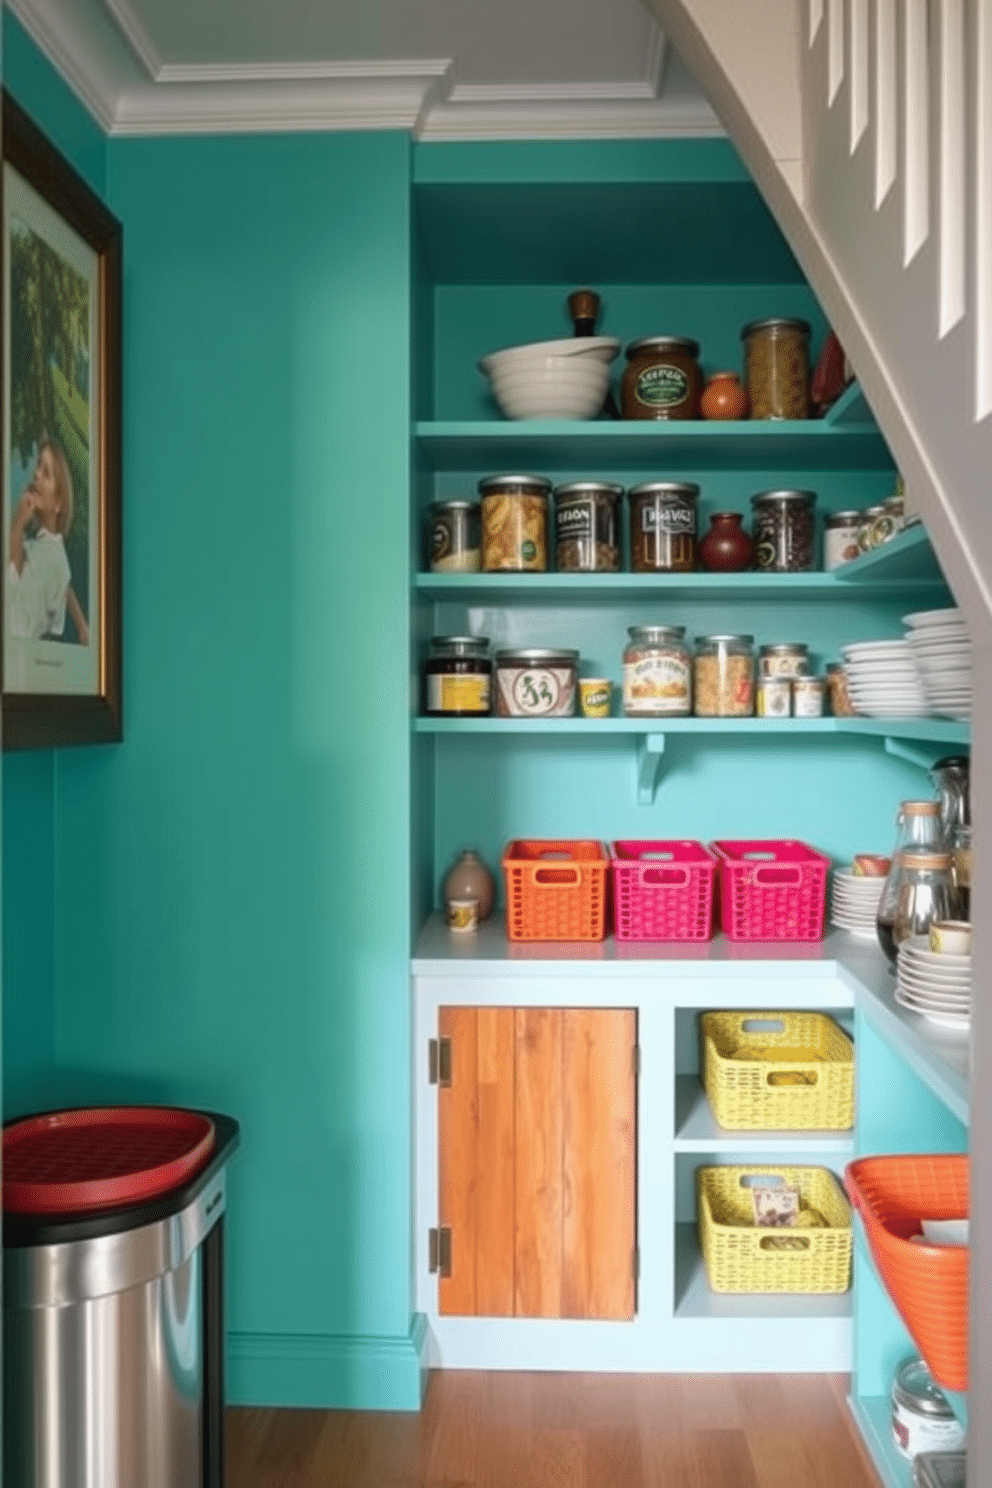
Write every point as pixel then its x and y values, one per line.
pixel 458 677
pixel 657 672
pixel 723 676
pixel 918 825
pixel 926 892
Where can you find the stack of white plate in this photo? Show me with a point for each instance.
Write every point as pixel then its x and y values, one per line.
pixel 941 649
pixel 854 901
pixel 934 984
pixel 882 679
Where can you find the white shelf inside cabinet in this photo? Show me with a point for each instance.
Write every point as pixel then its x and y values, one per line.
pixel 695 1298
pixel 697 1129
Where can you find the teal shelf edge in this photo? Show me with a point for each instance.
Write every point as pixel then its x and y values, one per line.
pixel 872 1416
pixel 819 585
pixel 907 556
pixel 561 444
pixel 935 730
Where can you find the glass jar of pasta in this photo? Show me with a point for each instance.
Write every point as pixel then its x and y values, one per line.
pixel 723 676
pixel 514 523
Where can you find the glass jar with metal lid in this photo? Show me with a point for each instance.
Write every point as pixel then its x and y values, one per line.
pixel 514 523
pixel 922 1418
pixel 662 379
pixel 784 528
pixel 663 526
pixel 587 527
pixel 723 676
pixel 776 367
pixel 458 677
pixel 657 672
pixel 537 682
pixel 926 892
pixel 879 524
pixel 453 537
pixel 841 538
pixel 783 659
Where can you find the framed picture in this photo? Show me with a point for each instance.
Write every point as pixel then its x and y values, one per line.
pixel 61 576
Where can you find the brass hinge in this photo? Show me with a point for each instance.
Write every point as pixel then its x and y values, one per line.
pixel 637 1263
pixel 637 1059
pixel 439 1061
pixel 439 1251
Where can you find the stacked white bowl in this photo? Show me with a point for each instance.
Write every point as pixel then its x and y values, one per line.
pixel 935 985
pixel 883 681
pixel 941 650
pixel 566 379
pixel 854 902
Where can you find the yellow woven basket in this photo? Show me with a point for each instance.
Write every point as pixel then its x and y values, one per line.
pixel 740 1257
pixel 778 1071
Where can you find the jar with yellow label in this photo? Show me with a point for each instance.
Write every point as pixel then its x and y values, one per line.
pixel 662 379
pixel 458 677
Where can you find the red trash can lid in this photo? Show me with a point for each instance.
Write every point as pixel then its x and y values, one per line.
pixel 65 1162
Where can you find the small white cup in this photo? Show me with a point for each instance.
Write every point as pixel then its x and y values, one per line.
pixel 463 916
pixel 951 937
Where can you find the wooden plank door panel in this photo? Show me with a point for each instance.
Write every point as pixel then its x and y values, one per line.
pixel 599 1162
pixel 538 1186
pixel 494 1232
pixel 457 1159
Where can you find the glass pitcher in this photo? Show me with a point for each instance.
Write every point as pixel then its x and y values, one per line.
pixel 918 825
pixel 952 779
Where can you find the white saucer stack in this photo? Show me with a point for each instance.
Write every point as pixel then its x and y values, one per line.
pixel 882 679
pixel 854 902
pixel 941 648
pixel 934 984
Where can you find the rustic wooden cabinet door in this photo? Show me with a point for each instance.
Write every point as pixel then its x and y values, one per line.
pixel 537 1162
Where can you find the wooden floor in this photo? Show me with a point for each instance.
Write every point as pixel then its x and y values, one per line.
pixel 495 1430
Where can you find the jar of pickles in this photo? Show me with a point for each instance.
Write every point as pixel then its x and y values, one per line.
pixel 776 367
pixel 657 672
pixel 587 530
pixel 723 676
pixel 663 526
pixel 514 523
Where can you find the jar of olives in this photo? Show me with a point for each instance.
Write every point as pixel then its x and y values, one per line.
pixel 587 532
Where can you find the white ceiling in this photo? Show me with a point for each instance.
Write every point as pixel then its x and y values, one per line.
pixel 445 69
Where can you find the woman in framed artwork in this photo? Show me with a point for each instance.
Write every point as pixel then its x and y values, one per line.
pixel 39 580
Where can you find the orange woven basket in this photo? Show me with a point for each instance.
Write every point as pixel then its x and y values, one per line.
pixel 555 890
pixel 928 1283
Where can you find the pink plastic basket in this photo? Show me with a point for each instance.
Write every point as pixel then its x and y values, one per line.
pixel 771 890
pixel 662 890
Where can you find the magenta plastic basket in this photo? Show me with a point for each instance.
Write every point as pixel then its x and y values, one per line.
pixel 662 890
pixel 771 890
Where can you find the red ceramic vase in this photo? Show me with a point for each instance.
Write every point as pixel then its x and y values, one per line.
pixel 724 397
pixel 726 547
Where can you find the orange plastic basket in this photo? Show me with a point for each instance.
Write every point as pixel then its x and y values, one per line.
pixel 928 1283
pixel 555 890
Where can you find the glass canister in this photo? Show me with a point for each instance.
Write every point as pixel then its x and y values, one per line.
pixel 784 529
pixel 925 892
pixel 657 672
pixel 776 367
pixel 514 523
pixel 587 527
pixel 663 526
pixel 784 659
pixel 723 676
pixel 918 826
pixel 458 677
pixel 662 379
pixel 453 537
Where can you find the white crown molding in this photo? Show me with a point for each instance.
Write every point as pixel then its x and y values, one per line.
pixel 116 72
pixel 614 120
pixel 136 36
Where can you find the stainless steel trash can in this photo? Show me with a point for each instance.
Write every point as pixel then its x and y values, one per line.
pixel 113 1338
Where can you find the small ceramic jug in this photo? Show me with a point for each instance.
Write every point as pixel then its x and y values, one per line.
pixel 726 547
pixel 469 878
